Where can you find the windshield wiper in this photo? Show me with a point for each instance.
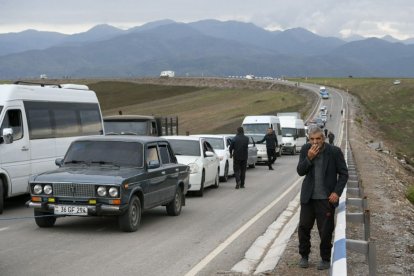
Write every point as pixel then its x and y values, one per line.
pixel 75 162
pixel 105 163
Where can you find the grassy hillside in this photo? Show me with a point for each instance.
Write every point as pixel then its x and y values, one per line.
pixel 199 109
pixel 392 106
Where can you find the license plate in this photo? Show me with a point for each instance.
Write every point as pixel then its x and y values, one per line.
pixel 71 210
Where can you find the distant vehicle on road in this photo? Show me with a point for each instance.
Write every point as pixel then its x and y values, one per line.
pixel 294 136
pixel 111 176
pixel 199 155
pixel 396 82
pixel 167 74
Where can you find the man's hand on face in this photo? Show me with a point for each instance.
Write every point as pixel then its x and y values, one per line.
pixel 313 151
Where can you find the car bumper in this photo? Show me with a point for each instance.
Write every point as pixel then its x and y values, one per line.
pixel 93 210
pixel 195 182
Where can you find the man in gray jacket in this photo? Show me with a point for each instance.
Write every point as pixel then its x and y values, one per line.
pixel 326 174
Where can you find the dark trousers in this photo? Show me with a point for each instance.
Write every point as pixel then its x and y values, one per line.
pixel 271 157
pixel 323 212
pixel 239 167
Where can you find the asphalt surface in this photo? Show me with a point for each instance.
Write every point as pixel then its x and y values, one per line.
pixel 163 245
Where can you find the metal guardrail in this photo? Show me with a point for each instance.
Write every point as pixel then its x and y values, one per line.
pixel 353 195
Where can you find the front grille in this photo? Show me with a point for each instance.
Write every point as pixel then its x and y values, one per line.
pixel 73 190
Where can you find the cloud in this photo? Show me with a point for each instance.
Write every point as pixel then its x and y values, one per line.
pixel 327 18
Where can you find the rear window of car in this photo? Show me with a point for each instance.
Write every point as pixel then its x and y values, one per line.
pixel 185 147
pixel 216 143
pixel 106 152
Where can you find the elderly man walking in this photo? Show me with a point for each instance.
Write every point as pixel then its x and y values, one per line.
pixel 326 174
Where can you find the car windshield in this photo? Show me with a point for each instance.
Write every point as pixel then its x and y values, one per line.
pixel 288 132
pixel 105 152
pixel 255 128
pixel 256 137
pixel 122 127
pixel 185 147
pixel 216 143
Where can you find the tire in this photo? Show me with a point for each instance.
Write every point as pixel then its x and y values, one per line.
pixel 217 181
pixel 200 192
pixel 174 207
pixel 44 222
pixel 1 196
pixel 252 166
pixel 130 220
pixel 225 178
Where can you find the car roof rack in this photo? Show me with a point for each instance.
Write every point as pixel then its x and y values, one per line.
pixel 37 83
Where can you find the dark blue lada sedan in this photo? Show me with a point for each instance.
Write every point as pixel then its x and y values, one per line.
pixel 111 176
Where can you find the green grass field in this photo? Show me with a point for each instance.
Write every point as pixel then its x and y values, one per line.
pixel 392 106
pixel 199 109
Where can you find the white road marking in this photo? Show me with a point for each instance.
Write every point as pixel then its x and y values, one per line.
pixel 4 228
pixel 207 259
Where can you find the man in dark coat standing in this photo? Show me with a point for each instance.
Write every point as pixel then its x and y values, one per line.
pixel 271 145
pixel 326 174
pixel 239 152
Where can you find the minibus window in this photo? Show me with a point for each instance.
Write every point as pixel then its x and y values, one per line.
pixel 13 120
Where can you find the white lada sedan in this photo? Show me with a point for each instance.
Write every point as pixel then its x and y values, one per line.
pixel 199 155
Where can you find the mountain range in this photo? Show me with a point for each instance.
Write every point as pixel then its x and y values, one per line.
pixel 203 48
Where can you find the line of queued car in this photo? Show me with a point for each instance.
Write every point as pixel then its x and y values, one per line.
pixel 125 175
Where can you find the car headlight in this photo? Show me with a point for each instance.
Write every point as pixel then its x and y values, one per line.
pixel 193 168
pixel 113 192
pixel 101 191
pixel 38 189
pixel 48 189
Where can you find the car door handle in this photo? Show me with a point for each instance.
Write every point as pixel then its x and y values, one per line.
pixel 163 172
pixel 24 148
pixel 177 169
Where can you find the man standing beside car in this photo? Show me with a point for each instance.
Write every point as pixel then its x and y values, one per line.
pixel 271 145
pixel 239 152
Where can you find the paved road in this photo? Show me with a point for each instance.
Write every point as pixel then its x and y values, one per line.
pixel 163 245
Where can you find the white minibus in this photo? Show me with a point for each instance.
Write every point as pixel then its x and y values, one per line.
pixel 256 127
pixel 294 134
pixel 37 124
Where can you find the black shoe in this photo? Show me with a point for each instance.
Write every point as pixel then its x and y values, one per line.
pixel 324 265
pixel 242 186
pixel 271 169
pixel 237 186
pixel 304 263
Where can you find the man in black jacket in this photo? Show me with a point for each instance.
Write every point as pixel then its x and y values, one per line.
pixel 326 174
pixel 271 145
pixel 239 152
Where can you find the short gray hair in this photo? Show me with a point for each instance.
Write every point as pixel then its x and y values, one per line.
pixel 315 130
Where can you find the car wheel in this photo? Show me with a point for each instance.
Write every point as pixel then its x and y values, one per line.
pixel 200 192
pixel 130 220
pixel 1 197
pixel 217 181
pixel 174 207
pixel 225 178
pixel 44 219
pixel 279 153
pixel 253 165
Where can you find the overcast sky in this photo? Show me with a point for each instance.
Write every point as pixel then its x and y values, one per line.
pixel 339 18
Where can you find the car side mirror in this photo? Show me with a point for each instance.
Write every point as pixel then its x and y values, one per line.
pixel 209 154
pixel 153 164
pixel 7 135
pixel 59 162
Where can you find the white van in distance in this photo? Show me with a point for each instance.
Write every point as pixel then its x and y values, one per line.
pixel 256 127
pixel 37 124
pixel 294 134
